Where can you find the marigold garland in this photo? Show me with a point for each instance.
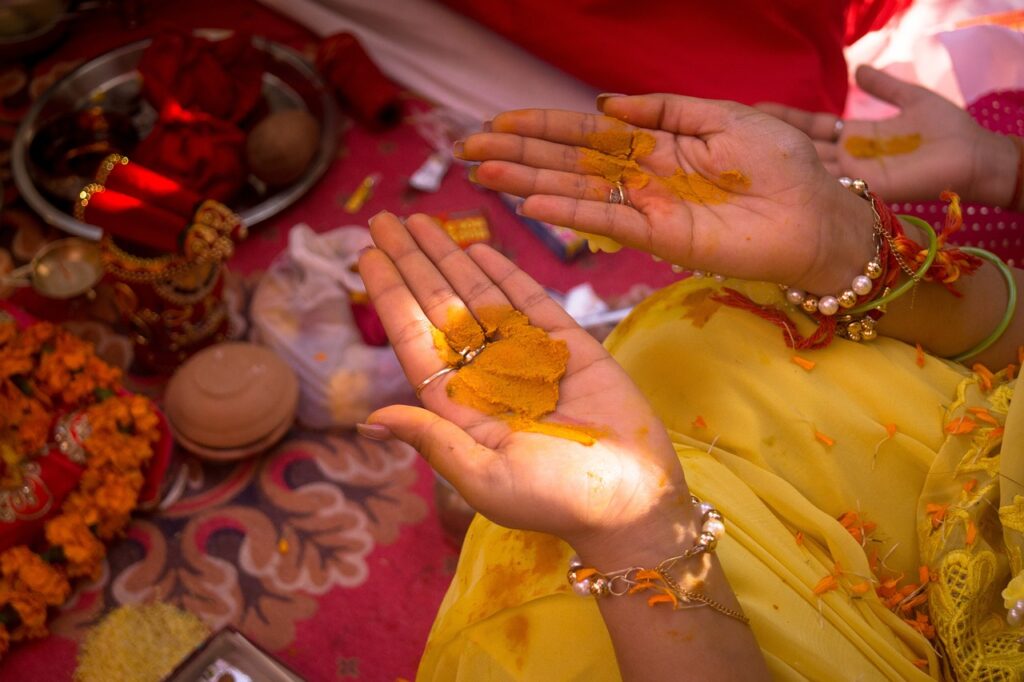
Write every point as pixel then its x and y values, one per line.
pixel 45 372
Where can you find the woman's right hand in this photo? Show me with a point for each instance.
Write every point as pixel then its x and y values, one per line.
pixel 612 499
pixel 783 217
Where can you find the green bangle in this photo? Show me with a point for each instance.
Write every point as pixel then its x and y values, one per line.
pixel 933 249
pixel 1011 305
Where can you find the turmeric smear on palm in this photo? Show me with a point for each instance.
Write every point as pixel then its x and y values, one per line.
pixel 516 375
pixel 613 154
pixel 872 147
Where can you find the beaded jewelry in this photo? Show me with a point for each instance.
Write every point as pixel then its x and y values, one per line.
pixel 590 582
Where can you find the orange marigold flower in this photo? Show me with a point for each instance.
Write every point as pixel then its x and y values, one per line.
pixel 31 611
pixel 27 570
pixel 81 548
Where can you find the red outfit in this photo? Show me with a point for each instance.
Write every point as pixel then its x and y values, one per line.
pixel 788 51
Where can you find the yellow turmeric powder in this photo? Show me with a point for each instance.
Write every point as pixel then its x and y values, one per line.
pixel 516 375
pixel 613 154
pixel 871 147
pixel 696 188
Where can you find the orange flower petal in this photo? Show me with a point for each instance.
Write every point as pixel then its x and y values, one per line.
pixel 861 587
pixel 825 584
pixel 922 574
pixel 890 429
pixel 804 362
pixel 970 485
pixel 920 355
pixel 824 439
pixel 960 426
pixel 663 598
pixel 699 423
pixel 972 533
pixel 800 537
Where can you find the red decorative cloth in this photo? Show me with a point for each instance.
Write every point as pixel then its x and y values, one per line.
pixel 203 153
pixel 151 187
pixel 222 78
pixel 362 88
pixel 745 50
pixel 131 219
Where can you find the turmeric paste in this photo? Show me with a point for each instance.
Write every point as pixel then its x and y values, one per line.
pixel 613 154
pixel 871 147
pixel 516 375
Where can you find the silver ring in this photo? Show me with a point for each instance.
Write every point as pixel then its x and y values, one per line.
pixel 436 375
pixel 468 354
pixel 617 195
pixel 837 129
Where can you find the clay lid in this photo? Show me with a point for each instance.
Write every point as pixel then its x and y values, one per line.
pixel 230 395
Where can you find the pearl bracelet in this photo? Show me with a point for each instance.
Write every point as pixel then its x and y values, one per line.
pixel 589 582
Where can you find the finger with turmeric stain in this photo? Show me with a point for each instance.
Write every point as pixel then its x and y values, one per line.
pixel 567 127
pixel 623 224
pixel 677 114
pixel 524 181
pixel 431 290
pixel 407 326
pixel 523 150
pixel 468 281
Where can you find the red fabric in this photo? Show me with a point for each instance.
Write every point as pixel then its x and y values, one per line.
pixel 787 51
pixel 357 81
pixel 203 153
pixel 129 218
pixel 223 78
pixel 153 188
pixel 58 478
pixel 864 16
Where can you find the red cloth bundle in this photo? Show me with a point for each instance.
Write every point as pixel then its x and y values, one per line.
pixel 357 81
pixel 203 153
pixel 130 218
pixel 222 78
pixel 136 204
pixel 153 188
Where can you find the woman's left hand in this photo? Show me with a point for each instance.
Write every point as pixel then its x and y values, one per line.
pixel 728 189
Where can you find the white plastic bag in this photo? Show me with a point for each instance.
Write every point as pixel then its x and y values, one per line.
pixel 301 310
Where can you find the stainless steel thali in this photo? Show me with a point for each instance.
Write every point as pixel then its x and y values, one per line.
pixel 112 82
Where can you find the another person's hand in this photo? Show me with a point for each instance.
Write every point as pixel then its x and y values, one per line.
pixel 791 223
pixel 626 488
pixel 954 152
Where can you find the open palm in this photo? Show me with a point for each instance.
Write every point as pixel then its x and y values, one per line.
pixel 417 278
pixel 953 152
pixel 775 227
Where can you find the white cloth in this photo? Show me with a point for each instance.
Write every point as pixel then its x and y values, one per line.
pixel 444 56
pixel 301 310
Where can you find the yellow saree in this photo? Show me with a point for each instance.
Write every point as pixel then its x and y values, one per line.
pixel 872 521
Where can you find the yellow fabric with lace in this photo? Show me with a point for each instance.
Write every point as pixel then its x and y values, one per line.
pixel 869 520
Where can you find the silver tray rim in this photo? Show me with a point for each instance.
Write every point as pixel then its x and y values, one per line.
pixel 251 216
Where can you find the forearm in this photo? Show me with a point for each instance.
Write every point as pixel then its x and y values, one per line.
pixel 947 325
pixel 656 643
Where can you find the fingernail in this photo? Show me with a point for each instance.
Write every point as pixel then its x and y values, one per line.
pixel 519 208
pixel 487 126
pixel 458 148
pixel 377 215
pixel 472 175
pixel 374 431
pixel 604 97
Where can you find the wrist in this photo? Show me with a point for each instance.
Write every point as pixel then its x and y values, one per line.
pixel 848 243
pixel 995 173
pixel 664 532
